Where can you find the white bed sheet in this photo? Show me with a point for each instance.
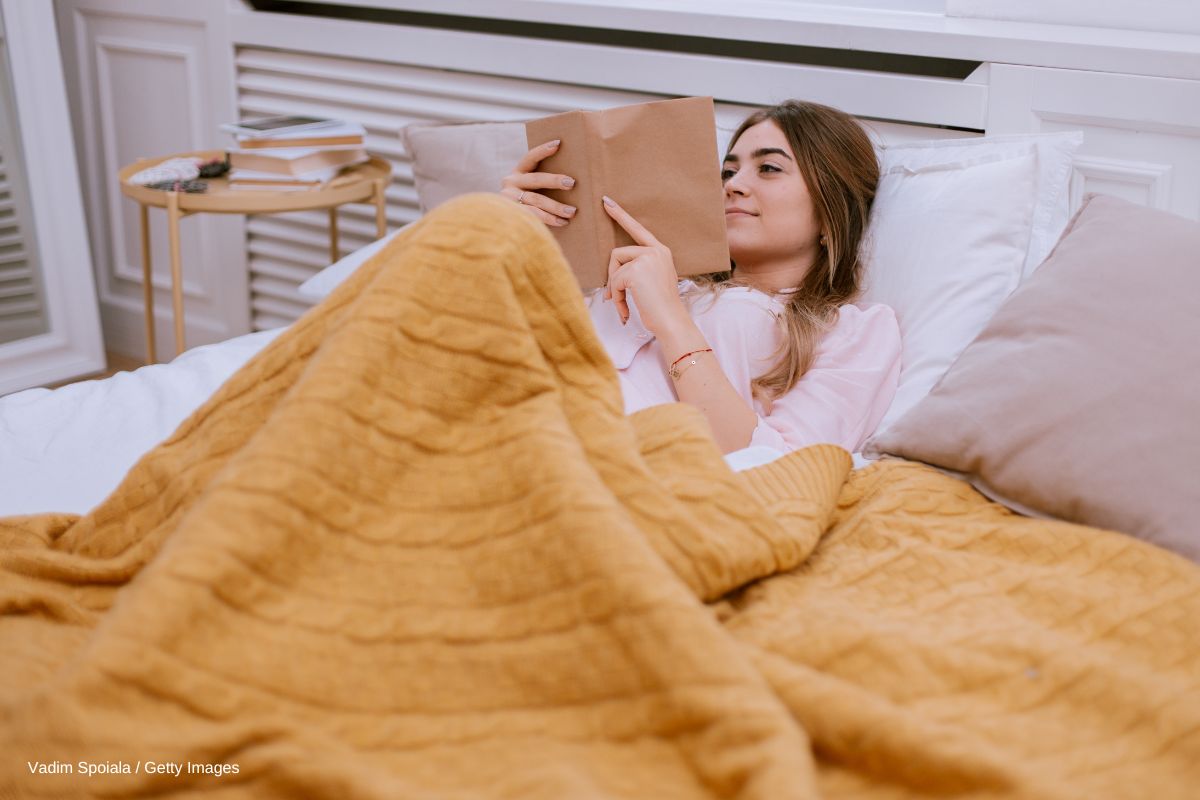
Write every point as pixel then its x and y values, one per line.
pixel 66 449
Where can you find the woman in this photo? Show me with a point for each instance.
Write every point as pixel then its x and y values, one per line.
pixel 773 352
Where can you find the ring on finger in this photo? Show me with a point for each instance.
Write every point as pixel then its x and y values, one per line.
pixel 521 198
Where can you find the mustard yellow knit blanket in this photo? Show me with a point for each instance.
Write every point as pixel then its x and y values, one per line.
pixel 414 549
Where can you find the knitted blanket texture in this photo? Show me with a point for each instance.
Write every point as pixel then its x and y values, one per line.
pixel 414 549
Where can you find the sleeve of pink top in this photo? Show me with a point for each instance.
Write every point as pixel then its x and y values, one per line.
pixel 846 392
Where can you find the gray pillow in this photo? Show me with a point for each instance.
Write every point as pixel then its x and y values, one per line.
pixel 453 158
pixel 1080 400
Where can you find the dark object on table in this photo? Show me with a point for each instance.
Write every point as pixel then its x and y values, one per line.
pixel 216 168
pixel 193 187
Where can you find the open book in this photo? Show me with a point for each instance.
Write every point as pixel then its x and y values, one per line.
pixel 659 161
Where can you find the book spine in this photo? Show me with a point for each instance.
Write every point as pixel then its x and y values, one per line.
pixel 261 163
pixel 265 162
pixel 600 178
pixel 273 187
pixel 270 182
pixel 585 239
pixel 328 141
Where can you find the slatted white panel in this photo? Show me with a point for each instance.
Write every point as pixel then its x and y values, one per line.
pixel 19 305
pixel 285 250
pixel 22 311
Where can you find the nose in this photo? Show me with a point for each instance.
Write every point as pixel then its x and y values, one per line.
pixel 734 186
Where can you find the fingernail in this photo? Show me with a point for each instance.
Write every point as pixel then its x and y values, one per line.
pixel 569 210
pixel 559 221
pixel 556 143
pixel 608 201
pixel 568 182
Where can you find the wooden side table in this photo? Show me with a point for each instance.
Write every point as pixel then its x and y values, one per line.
pixel 361 183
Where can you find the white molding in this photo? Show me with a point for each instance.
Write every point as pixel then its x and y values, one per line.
pixel 1153 180
pixel 1163 16
pixel 73 345
pixel 124 267
pixel 87 147
pixel 1021 96
pixel 1161 105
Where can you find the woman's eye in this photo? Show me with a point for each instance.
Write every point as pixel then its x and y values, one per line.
pixel 726 174
pixel 769 168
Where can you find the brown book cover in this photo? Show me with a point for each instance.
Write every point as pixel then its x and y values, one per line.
pixel 310 141
pixel 659 161
pixel 293 163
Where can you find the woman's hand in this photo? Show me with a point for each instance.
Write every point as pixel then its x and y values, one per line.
pixel 520 186
pixel 646 269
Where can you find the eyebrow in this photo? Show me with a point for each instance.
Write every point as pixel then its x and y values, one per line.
pixel 759 153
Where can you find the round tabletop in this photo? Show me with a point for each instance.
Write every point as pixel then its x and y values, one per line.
pixel 353 184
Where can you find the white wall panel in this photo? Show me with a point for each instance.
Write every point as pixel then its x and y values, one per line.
pixel 149 78
pixel 1141 135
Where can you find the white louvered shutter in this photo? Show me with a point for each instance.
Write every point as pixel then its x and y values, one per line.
pixel 21 306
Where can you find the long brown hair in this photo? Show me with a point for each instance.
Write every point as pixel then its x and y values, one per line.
pixel 838 164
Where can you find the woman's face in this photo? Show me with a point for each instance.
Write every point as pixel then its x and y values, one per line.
pixel 769 215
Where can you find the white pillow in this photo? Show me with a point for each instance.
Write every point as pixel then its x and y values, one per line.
pixel 325 281
pixel 946 245
pixel 1055 151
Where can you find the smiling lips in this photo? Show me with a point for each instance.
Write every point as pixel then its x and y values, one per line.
pixel 734 211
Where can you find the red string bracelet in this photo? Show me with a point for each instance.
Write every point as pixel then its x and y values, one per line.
pixel 674 371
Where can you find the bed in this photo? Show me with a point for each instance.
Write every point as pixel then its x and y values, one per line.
pixel 469 574
pixel 291 573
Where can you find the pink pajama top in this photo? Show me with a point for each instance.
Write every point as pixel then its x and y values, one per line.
pixel 840 400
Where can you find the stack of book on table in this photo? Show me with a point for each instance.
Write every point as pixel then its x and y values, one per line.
pixel 292 153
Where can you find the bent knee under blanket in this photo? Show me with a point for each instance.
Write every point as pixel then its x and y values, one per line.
pixel 414 548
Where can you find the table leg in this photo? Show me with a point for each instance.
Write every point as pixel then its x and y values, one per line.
pixel 333 235
pixel 147 285
pixel 380 209
pixel 173 217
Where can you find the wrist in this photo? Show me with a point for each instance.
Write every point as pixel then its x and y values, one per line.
pixel 678 329
pixel 685 361
pixel 679 342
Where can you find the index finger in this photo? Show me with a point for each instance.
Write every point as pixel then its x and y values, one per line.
pixel 537 155
pixel 634 228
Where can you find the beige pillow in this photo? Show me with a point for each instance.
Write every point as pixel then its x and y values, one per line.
pixel 1081 398
pixel 451 158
